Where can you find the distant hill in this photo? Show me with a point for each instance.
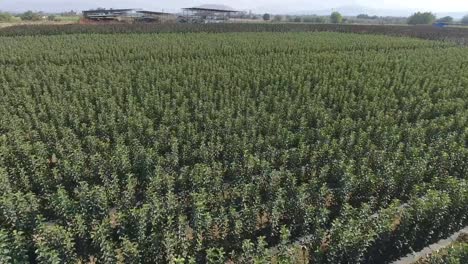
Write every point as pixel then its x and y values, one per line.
pixel 215 6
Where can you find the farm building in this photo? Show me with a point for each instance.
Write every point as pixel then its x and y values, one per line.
pixel 152 16
pixel 127 15
pixel 207 14
pixel 110 14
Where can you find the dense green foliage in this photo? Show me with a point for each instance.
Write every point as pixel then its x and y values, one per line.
pixel 184 148
pixel 421 18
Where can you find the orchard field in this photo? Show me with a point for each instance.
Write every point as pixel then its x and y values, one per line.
pixel 230 147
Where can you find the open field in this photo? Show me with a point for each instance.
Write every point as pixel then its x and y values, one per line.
pixel 74 19
pixel 59 20
pixel 213 148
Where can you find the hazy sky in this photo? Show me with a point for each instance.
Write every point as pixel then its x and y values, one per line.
pixel 275 6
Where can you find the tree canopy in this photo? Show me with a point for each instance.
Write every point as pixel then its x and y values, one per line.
pixel 336 18
pixel 420 18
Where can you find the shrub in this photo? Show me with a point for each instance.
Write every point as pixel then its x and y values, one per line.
pixel 31 16
pixel 52 18
pixel 5 17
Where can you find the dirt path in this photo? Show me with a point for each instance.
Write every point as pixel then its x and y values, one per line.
pixel 443 243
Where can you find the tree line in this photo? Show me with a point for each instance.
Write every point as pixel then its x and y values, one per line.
pixel 418 18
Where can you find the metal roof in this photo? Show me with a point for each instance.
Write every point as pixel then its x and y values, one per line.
pixel 110 10
pixel 153 13
pixel 212 8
